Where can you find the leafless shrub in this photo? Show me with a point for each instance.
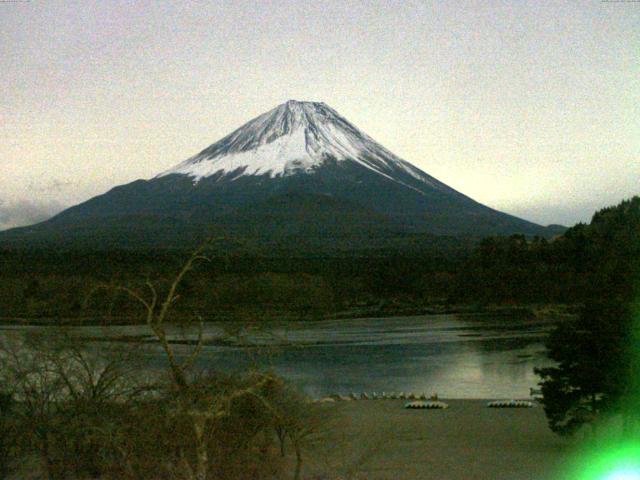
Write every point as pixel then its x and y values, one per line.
pixel 65 395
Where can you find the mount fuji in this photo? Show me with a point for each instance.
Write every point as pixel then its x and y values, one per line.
pixel 299 174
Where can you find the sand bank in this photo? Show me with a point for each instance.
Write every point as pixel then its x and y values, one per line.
pixel 379 439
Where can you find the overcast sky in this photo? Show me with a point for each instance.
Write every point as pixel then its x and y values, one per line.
pixel 531 107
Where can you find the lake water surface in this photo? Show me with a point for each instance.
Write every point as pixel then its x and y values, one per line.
pixel 451 355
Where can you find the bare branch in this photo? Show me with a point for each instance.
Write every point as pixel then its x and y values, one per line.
pixel 188 363
pixel 171 296
pixel 135 295
pixel 154 294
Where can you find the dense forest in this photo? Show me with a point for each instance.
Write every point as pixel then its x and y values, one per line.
pixel 595 353
pixel 236 282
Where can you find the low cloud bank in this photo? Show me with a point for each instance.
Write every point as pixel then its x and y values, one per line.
pixel 26 212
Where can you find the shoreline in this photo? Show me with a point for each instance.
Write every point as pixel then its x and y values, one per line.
pixel 550 312
pixel 455 400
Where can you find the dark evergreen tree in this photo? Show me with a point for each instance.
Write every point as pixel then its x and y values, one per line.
pixel 593 356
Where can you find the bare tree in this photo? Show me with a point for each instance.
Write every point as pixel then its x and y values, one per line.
pixel 194 397
pixel 296 419
pixel 63 392
pixel 40 393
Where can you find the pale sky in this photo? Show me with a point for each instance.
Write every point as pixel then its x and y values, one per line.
pixel 530 107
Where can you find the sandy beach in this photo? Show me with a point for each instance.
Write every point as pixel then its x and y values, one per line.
pixel 379 439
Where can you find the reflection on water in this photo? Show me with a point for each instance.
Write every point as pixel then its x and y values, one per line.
pixel 457 357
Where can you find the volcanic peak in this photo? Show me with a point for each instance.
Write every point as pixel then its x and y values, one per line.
pixel 295 137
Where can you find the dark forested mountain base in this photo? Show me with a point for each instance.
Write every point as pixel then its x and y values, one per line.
pixel 434 274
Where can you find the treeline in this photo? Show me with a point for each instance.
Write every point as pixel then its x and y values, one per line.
pixel 500 270
pixel 45 284
pixel 599 258
pixel 595 376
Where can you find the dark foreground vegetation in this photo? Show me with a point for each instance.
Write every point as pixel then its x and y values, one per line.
pixel 45 284
pixel 69 412
pixel 597 375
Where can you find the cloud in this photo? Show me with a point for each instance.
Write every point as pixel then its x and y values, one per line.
pixel 26 212
pixel 51 186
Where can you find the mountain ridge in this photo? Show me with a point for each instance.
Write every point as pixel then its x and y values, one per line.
pixel 298 150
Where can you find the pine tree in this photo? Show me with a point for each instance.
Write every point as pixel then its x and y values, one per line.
pixel 593 355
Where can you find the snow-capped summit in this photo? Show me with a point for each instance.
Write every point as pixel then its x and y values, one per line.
pixel 295 137
pixel 298 176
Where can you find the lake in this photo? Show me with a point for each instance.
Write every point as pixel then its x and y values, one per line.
pixel 455 356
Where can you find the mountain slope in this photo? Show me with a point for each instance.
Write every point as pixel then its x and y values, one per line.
pixel 299 171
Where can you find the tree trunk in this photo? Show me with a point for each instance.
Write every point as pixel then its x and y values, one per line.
pixel 202 456
pixel 281 437
pixel 296 475
pixel 47 464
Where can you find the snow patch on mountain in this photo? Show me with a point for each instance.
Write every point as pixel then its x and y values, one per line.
pixel 280 157
pixel 295 137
